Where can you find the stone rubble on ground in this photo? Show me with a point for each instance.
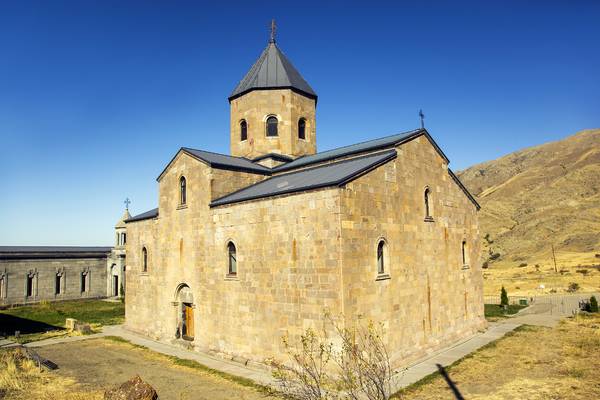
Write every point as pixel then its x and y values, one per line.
pixel 133 389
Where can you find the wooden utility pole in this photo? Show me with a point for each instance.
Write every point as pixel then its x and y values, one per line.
pixel 554 258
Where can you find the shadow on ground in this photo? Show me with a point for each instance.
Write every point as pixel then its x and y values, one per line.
pixel 9 324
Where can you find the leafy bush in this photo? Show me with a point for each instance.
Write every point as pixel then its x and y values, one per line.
pixel 495 256
pixel 522 265
pixel 503 297
pixel 583 271
pixel 573 287
pixel 593 304
pixel 484 265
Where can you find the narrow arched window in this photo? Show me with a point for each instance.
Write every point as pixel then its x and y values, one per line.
pixel 243 130
pixel 381 248
pixel 144 260
pixel 427 199
pixel 232 269
pixel 182 190
pixel 301 128
pixel 272 126
pixel 464 253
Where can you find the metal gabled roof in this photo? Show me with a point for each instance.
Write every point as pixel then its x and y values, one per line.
pixel 334 174
pixel 362 147
pixel 146 215
pixel 220 161
pixel 54 249
pixel 224 161
pixel 56 252
pixel 273 70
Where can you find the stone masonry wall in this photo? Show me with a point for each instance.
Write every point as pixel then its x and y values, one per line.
pixel 288 268
pixel 303 254
pixel 425 299
pixel 44 279
pixel 288 107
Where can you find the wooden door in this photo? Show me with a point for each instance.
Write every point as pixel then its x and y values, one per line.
pixel 188 313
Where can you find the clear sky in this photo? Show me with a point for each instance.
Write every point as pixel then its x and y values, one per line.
pixel 96 97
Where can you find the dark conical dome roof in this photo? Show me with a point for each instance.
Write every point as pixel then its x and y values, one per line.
pixel 273 70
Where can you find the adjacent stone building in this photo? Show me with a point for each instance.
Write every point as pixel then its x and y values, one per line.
pixel 30 274
pixel 248 247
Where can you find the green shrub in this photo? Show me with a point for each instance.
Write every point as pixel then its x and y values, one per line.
pixel 573 287
pixel 522 265
pixel 503 297
pixel 495 256
pixel 593 304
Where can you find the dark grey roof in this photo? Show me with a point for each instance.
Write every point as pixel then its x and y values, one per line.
pixel 51 249
pixel 222 161
pixel 146 215
pixel 272 70
pixel 362 147
pixel 327 175
pixel 227 162
pixel 274 156
pixel 38 252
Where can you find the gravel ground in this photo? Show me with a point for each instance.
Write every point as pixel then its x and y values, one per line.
pixel 101 364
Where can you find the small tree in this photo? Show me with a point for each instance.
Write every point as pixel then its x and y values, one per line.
pixel 503 297
pixel 593 304
pixel 357 368
pixel 305 378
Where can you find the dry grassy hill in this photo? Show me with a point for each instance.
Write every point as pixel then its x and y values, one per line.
pixel 536 198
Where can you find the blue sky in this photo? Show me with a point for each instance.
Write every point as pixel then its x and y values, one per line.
pixel 96 97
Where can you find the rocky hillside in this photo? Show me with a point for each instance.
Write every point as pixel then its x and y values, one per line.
pixel 538 197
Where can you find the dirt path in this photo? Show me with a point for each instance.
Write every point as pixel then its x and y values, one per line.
pixel 101 364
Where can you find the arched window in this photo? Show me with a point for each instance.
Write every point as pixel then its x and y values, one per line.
pixel 464 253
pixel 427 196
pixel 272 126
pixel 144 260
pixel 232 269
pixel 243 130
pixel 301 128
pixel 182 191
pixel 381 249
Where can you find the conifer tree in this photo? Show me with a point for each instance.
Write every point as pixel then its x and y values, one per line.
pixel 593 304
pixel 503 297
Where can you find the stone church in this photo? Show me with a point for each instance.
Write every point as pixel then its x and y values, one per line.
pixel 248 247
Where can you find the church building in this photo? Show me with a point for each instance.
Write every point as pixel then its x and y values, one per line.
pixel 248 247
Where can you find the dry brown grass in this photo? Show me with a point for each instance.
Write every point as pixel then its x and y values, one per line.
pixel 526 281
pixel 21 379
pixel 531 363
pixel 533 200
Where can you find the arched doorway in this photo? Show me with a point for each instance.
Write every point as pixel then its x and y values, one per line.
pixel 184 303
pixel 114 272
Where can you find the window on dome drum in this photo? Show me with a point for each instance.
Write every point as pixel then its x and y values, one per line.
pixel 182 191
pixel 232 269
pixel 464 254
pixel 272 126
pixel 301 128
pixel 243 130
pixel 427 199
pixel 144 260
pixel 381 249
